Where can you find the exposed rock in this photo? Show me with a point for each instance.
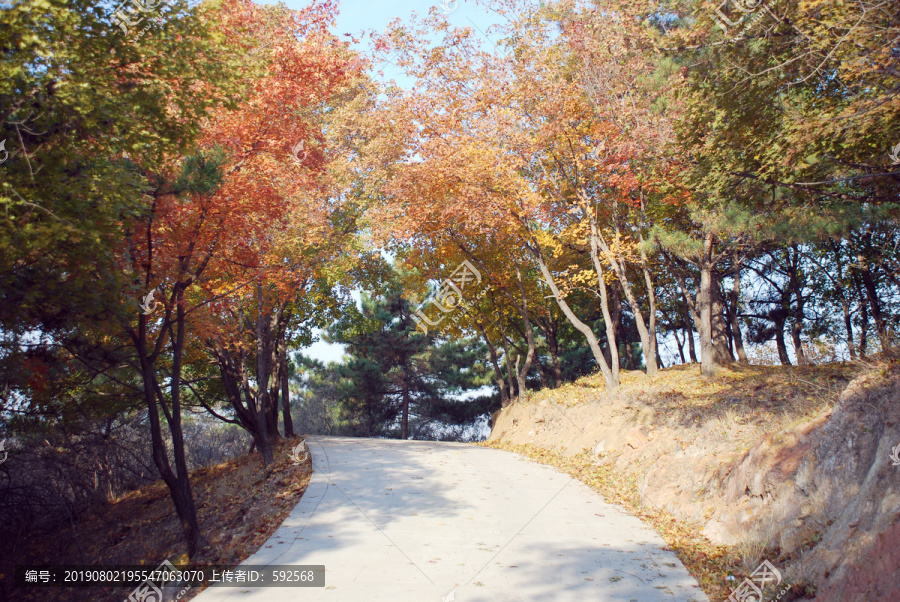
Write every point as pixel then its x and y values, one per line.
pixel 824 492
pixel 635 438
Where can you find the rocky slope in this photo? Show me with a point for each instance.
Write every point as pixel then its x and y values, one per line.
pixel 789 465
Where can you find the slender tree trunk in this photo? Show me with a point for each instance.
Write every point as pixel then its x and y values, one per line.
pixel 708 367
pixel 863 314
pixel 688 329
pixel 729 336
pixel 614 299
pixel 841 290
pixel 680 345
pixel 188 512
pixel 254 409
pixel 178 481
pixel 779 341
pixel 529 336
pixel 285 388
pixel 863 330
pixel 798 313
pixel 509 366
pixel 495 363
pixel 618 267
pixel 541 375
pixel 721 345
pixel 611 326
pixel 404 421
pixel 689 309
pixel 178 485
pixel 798 344
pixel 610 377
pixel 872 297
pixel 553 346
pixel 734 307
pixel 711 323
pixel 274 394
pixel 848 324
pixel 651 291
pixel 263 374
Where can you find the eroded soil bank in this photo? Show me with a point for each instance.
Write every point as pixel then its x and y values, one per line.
pixel 790 465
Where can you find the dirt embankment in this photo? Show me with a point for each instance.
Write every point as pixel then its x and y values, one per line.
pixel 239 506
pixel 788 465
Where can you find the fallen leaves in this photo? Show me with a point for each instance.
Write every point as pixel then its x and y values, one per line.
pixel 238 510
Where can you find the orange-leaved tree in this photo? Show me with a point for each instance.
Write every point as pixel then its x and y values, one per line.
pixel 212 217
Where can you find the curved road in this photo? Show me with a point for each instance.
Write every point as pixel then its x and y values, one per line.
pixel 425 521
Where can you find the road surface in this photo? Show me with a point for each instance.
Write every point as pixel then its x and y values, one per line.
pixel 425 521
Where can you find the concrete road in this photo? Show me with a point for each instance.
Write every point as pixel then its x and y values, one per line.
pixel 424 521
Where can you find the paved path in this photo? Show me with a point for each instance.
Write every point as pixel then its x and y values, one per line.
pixel 418 521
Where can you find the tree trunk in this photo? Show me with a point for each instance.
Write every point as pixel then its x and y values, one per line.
pixel 610 377
pixel 689 309
pixel 611 326
pixel 545 384
pixel 508 357
pixel 274 394
pixel 680 345
pixel 863 314
pixel 841 289
pixel 800 302
pixel 550 330
pixel 779 341
pixel 185 506
pixel 614 299
pixel 178 481
pixel 264 340
pixel 495 363
pixel 285 388
pixel 688 329
pixel 872 297
pixel 651 291
pixel 529 336
pixel 721 346
pixel 659 362
pixel 802 360
pixel 848 324
pixel 178 485
pixel 711 330
pixel 708 366
pixel 404 420
pixel 647 345
pixel 734 305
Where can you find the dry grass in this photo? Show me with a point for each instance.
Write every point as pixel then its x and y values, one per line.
pixel 740 403
pixel 238 506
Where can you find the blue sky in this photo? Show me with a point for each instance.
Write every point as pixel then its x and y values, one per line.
pixel 358 15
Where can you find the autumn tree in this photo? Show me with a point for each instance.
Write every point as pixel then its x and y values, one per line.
pixel 214 218
pixel 97 114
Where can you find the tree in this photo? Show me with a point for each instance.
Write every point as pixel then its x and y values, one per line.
pixel 192 242
pixel 395 376
pixel 93 112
